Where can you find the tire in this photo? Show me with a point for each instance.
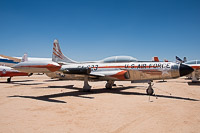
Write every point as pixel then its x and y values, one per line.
pixel 9 80
pixel 108 86
pixel 150 91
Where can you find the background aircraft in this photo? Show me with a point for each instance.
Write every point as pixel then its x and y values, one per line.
pixel 36 65
pixel 10 61
pixel 7 71
pixel 10 72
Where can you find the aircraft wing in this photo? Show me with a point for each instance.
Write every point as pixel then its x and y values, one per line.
pixel 98 74
pixel 8 61
pixel 119 74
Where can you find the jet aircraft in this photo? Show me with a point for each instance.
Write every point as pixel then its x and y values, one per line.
pixel 6 62
pixel 36 66
pixel 111 69
pixel 115 68
pixel 10 61
pixel 6 71
pixel 10 72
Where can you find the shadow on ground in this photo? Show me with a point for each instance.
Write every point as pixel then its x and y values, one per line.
pixel 79 93
pixel 17 81
pixel 197 83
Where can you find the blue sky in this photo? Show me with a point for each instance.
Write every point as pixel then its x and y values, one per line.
pixel 95 29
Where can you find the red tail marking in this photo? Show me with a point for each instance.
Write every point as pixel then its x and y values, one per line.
pixel 57 52
pixel 57 55
pixel 156 59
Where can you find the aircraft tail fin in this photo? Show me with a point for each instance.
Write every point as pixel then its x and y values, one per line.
pixel 58 56
pixel 155 59
pixel 185 59
pixel 165 60
pixel 24 58
pixel 178 60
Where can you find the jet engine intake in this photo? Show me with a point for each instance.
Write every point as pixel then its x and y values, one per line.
pixel 85 71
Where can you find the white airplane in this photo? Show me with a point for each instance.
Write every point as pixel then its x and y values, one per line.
pixel 117 68
pixel 6 62
pixel 10 72
pixel 36 66
pixel 10 61
pixel 6 71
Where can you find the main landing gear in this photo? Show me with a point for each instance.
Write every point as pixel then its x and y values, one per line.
pixel 109 84
pixel 150 90
pixel 86 86
pixel 9 80
pixel 194 78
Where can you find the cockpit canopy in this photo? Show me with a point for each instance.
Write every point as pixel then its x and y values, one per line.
pixel 193 62
pixel 116 59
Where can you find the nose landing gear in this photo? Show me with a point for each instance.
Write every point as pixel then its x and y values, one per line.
pixel 150 90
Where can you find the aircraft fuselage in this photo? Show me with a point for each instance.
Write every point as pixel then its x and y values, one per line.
pixel 123 71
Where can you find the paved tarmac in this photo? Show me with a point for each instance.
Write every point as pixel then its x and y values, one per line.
pixel 38 104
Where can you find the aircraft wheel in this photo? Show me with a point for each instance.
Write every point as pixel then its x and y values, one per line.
pixel 150 91
pixel 108 86
pixel 9 80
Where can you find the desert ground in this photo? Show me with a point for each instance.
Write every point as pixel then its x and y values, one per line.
pixel 38 104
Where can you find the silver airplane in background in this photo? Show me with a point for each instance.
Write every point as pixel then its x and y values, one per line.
pixel 111 69
pixel 37 65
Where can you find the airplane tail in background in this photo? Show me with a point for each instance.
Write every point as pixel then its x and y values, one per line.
pixel 185 59
pixel 58 56
pixel 155 59
pixel 24 58
pixel 165 60
pixel 178 60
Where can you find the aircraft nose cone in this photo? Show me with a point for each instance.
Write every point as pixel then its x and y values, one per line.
pixel 185 70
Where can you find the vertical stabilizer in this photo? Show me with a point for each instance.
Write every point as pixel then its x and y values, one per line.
pixel 185 59
pixel 178 60
pixel 155 59
pixel 24 58
pixel 165 60
pixel 58 56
